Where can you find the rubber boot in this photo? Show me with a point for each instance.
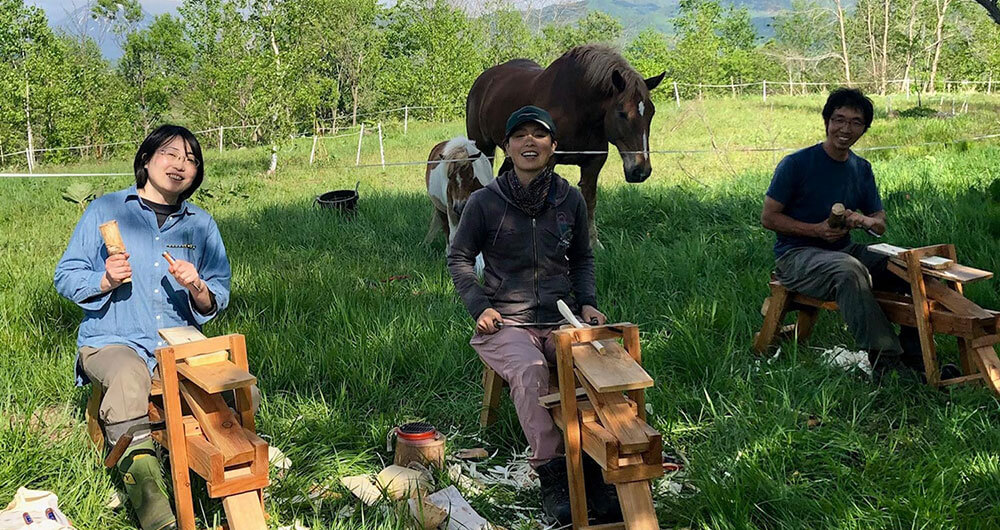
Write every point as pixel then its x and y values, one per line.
pixel 555 490
pixel 145 486
pixel 602 499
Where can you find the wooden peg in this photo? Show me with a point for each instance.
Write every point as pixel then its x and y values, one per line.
pixel 113 240
pixel 836 219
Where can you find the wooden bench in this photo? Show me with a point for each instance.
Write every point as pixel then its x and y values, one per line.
pixel 937 306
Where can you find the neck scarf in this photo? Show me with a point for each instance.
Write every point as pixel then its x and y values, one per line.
pixel 531 199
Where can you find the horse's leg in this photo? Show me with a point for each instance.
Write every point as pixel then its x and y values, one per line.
pixel 435 226
pixel 588 187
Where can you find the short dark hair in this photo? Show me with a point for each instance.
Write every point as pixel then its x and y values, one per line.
pixel 849 97
pixel 161 136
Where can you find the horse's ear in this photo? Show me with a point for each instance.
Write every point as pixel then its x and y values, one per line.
pixel 618 81
pixel 654 82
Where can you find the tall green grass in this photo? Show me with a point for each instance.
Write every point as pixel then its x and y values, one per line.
pixel 343 351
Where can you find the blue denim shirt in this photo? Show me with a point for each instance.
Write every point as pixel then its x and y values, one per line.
pixel 133 313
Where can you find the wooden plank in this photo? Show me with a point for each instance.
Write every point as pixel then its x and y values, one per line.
pixel 595 333
pixel 572 437
pixel 243 511
pixel 619 419
pixel 156 388
pixel 551 400
pixel 217 377
pixel 982 342
pixel 607 526
pixel 191 427
pixel 633 473
pixel 181 335
pixel 989 366
pixel 176 440
pixel 949 298
pixel 772 320
pixel 205 459
pixel 961 380
pixel 955 273
pixel 630 340
pixel 597 441
pixel 611 371
pixel 887 249
pixel 235 481
pixel 492 389
pixel 218 423
pixel 936 263
pixel 200 347
pixel 93 415
pixel 922 315
pixel 637 505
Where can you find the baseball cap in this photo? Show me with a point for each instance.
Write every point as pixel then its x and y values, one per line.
pixel 527 114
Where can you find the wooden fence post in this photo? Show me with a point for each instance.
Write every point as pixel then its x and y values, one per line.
pixel 764 90
pixel 312 154
pixel 677 95
pixel 989 84
pixel 733 84
pixel 361 134
pixel 381 150
pixel 406 119
pixel 220 139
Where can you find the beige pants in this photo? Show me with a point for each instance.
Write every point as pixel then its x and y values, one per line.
pixel 125 379
pixel 521 356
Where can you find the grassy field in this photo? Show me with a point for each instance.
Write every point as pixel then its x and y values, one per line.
pixel 353 327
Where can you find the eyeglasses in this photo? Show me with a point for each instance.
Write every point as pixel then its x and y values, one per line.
pixel 176 156
pixel 841 121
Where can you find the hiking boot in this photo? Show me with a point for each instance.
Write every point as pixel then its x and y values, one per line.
pixel 145 486
pixel 555 490
pixel 602 499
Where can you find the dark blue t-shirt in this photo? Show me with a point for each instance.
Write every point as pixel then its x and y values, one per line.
pixel 809 182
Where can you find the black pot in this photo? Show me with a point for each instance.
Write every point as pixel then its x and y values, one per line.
pixel 344 200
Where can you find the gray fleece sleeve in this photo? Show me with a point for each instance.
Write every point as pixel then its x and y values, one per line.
pixel 581 258
pixel 467 244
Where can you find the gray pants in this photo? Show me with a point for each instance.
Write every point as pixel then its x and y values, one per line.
pixel 848 277
pixel 126 383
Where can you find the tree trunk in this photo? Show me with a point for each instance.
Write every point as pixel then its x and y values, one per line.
pixel 354 103
pixel 941 7
pixel 872 48
pixel 909 45
pixel 843 42
pixel 885 46
pixel 27 117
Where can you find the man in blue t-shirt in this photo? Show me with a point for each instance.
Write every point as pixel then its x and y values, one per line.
pixel 818 260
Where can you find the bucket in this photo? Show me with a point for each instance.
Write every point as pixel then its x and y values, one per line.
pixel 345 201
pixel 419 442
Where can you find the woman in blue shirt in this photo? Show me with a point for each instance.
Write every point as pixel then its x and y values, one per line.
pixel 118 335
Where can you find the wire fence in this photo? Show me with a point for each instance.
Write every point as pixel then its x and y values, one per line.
pixel 368 123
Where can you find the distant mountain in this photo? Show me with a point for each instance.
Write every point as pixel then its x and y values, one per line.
pixel 637 15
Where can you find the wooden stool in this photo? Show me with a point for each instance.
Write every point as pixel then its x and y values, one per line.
pixel 936 305
pixel 492 389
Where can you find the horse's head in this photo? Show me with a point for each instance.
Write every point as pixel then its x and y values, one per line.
pixel 627 120
pixel 468 170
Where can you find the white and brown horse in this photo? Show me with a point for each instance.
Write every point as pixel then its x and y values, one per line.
pixel 455 169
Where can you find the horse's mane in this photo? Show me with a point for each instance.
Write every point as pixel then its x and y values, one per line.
pixel 598 62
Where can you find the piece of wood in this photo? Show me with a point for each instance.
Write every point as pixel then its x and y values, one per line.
pixel 619 419
pixel 922 314
pixel 112 237
pixel 93 415
pixel 772 320
pixel 217 377
pixel 426 515
pixel 551 400
pixel 637 505
pixel 633 473
pixel 614 370
pixel 402 482
pixel 461 516
pixel 958 273
pixel 888 250
pixel 837 215
pixel 176 440
pixel 606 526
pixel 630 340
pixel 492 390
pixel 185 334
pixel 362 488
pixel 936 263
pixel 218 423
pixel 191 427
pixel 572 437
pixel 989 366
pixel 949 298
pixel 961 380
pixel 984 341
pixel 596 441
pixel 244 512
pixel 804 322
pixel 156 387
pixel 237 480
pixel 205 459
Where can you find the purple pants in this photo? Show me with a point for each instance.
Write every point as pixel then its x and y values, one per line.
pixel 521 356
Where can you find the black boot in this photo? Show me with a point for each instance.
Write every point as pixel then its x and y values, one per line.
pixel 555 490
pixel 602 499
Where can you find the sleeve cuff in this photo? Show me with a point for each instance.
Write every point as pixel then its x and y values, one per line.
pixel 199 317
pixel 93 299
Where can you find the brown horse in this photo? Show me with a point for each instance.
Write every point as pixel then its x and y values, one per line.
pixel 594 97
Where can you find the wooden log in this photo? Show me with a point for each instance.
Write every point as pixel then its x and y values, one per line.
pixel 218 423
pixel 837 216
pixel 112 237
